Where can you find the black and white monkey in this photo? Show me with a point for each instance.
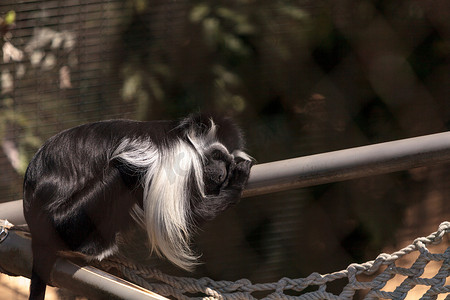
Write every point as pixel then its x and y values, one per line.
pixel 86 184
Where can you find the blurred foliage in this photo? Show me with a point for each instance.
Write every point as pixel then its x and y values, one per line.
pixel 205 60
pixel 28 140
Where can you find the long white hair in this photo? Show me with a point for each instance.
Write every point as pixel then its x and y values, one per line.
pixel 166 172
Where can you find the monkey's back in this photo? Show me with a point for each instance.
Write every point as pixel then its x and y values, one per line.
pixel 74 195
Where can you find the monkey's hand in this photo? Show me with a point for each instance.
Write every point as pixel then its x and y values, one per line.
pixel 239 174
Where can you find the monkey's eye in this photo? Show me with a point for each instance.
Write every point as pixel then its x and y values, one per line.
pixel 217 155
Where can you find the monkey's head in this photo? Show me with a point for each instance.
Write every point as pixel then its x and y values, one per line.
pixel 225 167
pixel 220 143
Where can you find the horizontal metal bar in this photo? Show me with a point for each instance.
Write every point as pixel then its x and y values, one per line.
pixel 16 259
pixel 348 164
pixel 96 283
pixel 13 212
pixel 325 168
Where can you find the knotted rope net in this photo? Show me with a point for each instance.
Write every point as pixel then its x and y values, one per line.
pixel 382 269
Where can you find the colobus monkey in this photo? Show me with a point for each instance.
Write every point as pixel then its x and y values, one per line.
pixel 85 184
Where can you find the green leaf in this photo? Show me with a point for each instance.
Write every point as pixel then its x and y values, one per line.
pixel 10 17
pixel 199 12
pixel 295 12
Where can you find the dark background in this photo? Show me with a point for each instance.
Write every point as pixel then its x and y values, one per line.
pixel 300 77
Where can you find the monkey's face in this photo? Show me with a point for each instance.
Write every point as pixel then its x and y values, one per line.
pixel 216 169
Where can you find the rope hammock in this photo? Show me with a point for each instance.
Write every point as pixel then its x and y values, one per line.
pixel 383 268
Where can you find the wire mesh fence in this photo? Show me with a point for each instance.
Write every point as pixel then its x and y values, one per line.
pixel 301 77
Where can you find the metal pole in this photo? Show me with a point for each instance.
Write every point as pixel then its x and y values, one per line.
pixel 97 283
pixel 13 212
pixel 15 259
pixel 349 164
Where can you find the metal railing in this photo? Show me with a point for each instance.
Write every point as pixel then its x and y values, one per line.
pixel 349 164
pixel 264 178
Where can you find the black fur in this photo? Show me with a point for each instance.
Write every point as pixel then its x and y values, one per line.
pixel 77 197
